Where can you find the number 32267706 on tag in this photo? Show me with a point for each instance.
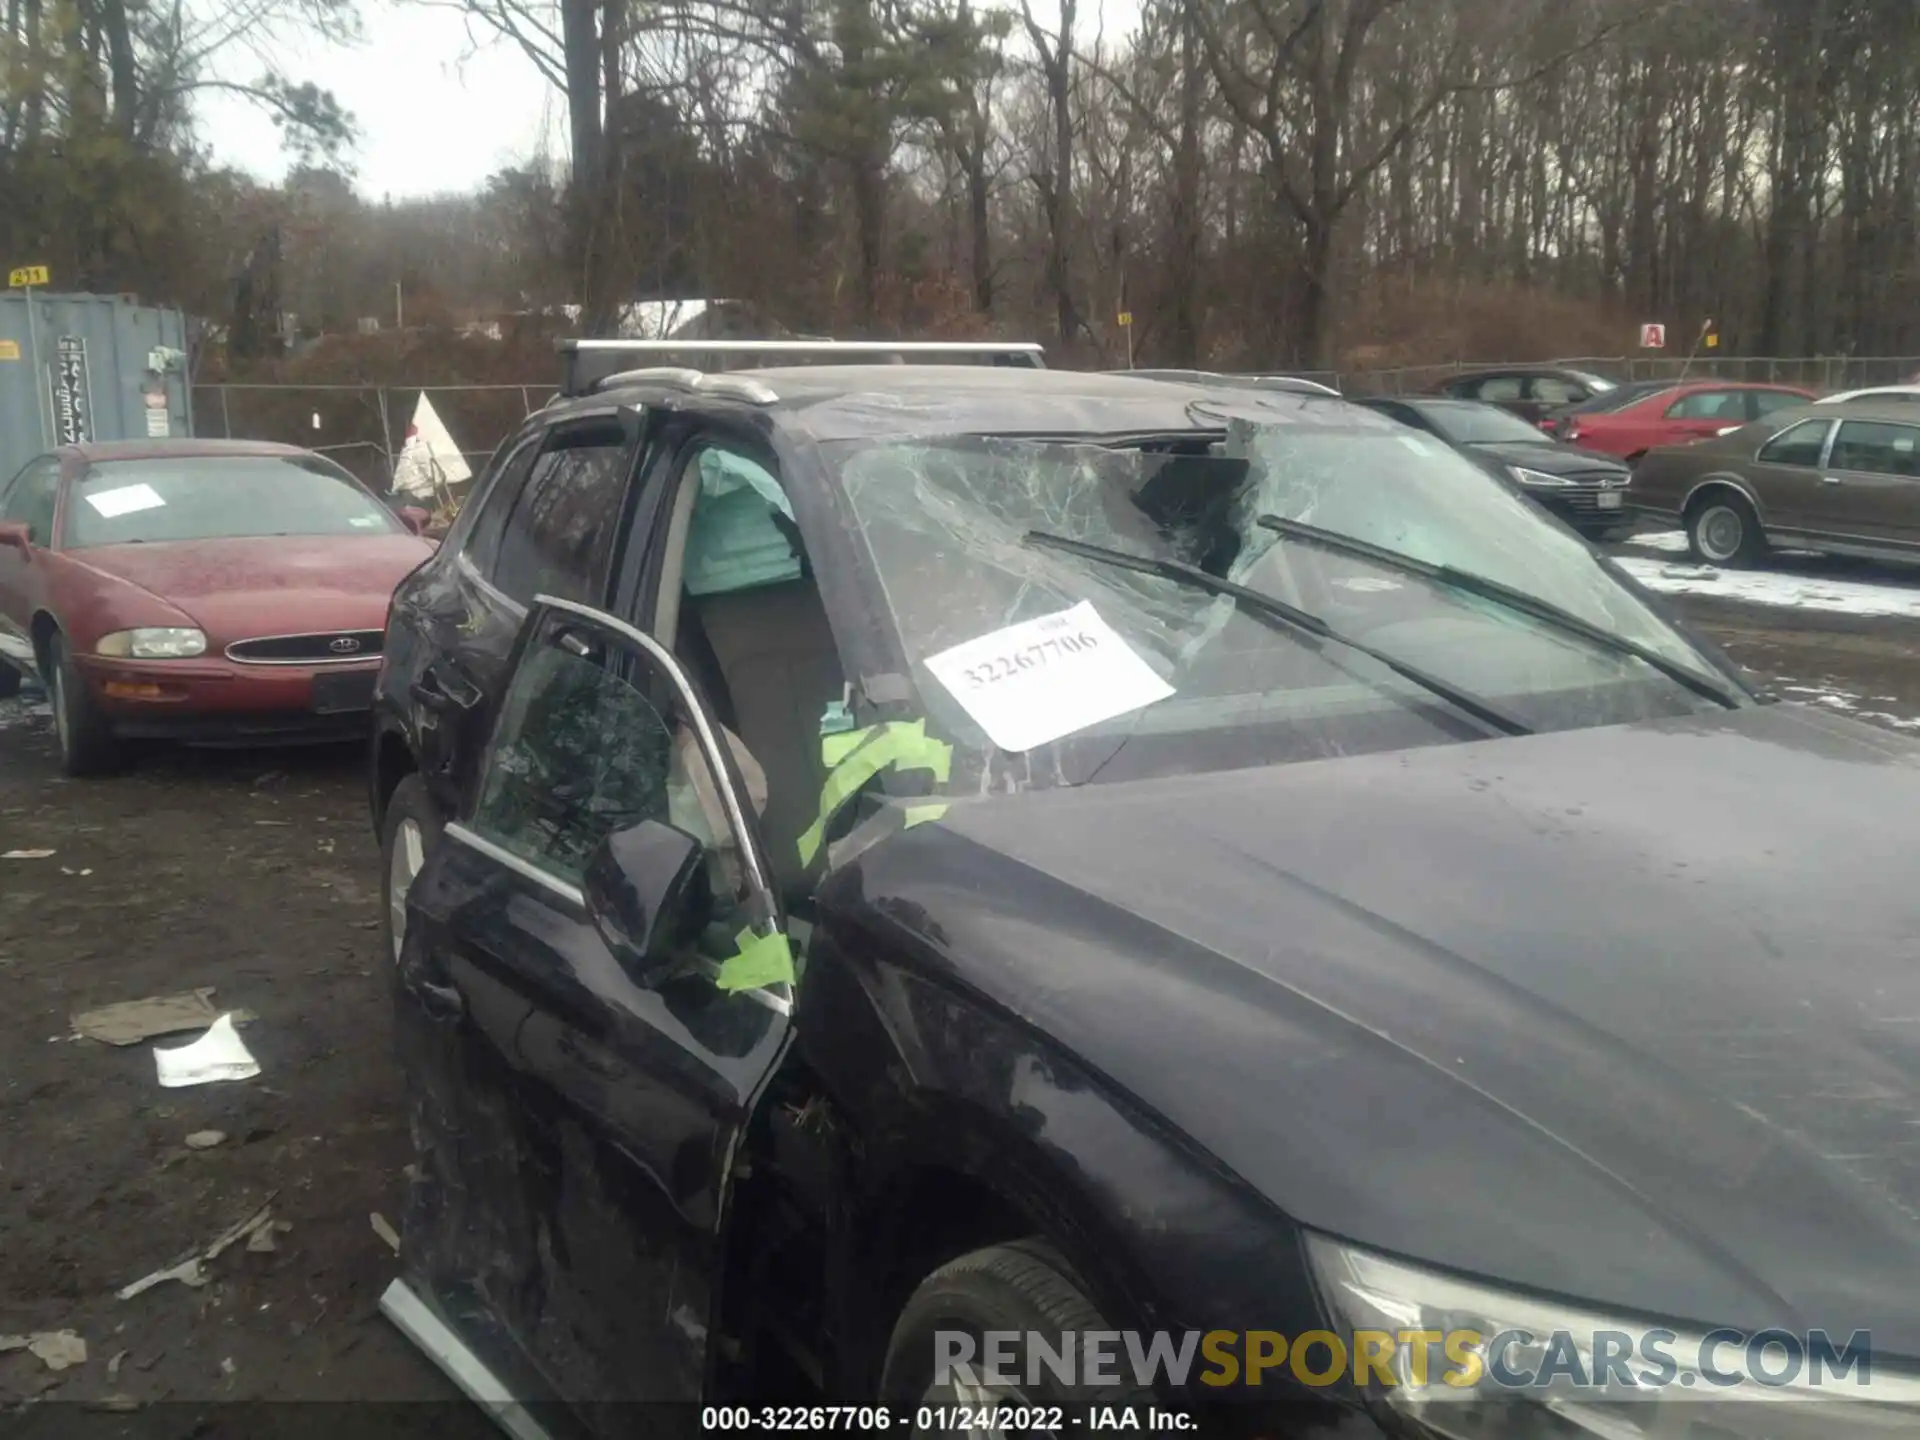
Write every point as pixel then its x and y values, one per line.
pixel 1044 678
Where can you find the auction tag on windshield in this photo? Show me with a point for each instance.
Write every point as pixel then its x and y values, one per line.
pixel 125 500
pixel 1041 679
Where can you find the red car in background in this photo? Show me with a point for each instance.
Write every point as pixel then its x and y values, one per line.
pixel 1678 415
pixel 216 592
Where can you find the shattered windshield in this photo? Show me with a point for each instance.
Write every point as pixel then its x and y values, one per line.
pixel 1012 645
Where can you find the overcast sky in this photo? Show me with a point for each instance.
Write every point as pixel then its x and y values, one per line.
pixel 439 109
pixel 436 111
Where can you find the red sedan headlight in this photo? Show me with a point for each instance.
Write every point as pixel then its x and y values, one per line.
pixel 161 642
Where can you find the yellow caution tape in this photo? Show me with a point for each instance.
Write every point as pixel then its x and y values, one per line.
pixel 759 960
pixel 895 745
pixel 835 748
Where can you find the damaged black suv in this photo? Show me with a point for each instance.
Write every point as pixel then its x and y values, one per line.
pixel 878 854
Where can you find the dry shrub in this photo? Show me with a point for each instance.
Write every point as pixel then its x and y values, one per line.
pixel 1406 321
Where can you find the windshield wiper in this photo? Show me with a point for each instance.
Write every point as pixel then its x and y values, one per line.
pixel 1270 609
pixel 1519 600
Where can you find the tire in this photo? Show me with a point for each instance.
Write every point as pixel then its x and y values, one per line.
pixel 1723 530
pixel 9 681
pixel 1025 1287
pixel 87 742
pixel 411 830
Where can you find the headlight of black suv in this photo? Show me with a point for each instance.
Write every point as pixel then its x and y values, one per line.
pixel 1465 1360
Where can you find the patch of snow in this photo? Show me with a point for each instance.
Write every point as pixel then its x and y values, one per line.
pixel 1672 542
pixel 1834 698
pixel 1819 695
pixel 1777 588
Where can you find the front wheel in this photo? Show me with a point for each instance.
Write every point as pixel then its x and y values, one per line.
pixel 87 742
pixel 413 826
pixel 936 1367
pixel 1725 531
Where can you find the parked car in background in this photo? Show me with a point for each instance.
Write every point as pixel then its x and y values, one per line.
pixel 1617 398
pixel 1529 391
pixel 1900 394
pixel 1839 478
pixel 1698 410
pixel 1586 490
pixel 211 591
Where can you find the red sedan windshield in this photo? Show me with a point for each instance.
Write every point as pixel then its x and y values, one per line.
pixel 123 502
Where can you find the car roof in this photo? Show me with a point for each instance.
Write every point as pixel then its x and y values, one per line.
pixel 1692 385
pixel 1870 392
pixel 1590 378
pixel 1526 370
pixel 94 451
pixel 847 402
pixel 1894 412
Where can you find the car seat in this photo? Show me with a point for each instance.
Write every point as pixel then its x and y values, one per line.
pixel 776 658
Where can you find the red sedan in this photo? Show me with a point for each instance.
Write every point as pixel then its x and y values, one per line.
pixel 1679 415
pixel 216 592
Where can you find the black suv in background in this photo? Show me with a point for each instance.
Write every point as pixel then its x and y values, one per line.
pixel 1582 487
pixel 882 853
pixel 1529 391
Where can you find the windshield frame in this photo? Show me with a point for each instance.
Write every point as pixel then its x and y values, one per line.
pixel 313 464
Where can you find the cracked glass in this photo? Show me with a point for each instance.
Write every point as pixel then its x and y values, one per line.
pixel 945 522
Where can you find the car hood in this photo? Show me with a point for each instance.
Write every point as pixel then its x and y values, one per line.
pixel 1551 459
pixel 1627 1014
pixel 269 585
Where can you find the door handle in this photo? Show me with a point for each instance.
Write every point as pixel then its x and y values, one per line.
pixel 431 691
pixel 1829 479
pixel 440 1002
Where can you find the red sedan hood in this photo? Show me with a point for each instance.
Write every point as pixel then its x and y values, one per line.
pixel 269 585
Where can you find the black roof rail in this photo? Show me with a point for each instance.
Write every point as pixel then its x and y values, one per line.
pixel 585 364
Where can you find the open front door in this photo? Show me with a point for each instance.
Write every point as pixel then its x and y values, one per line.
pixel 595 989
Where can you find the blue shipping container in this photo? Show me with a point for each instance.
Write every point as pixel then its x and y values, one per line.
pixel 88 367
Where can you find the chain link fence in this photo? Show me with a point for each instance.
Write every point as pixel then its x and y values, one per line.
pixel 364 427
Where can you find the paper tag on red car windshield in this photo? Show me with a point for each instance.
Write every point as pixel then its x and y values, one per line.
pixel 125 500
pixel 1041 679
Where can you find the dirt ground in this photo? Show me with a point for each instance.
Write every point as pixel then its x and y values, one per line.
pixel 255 873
